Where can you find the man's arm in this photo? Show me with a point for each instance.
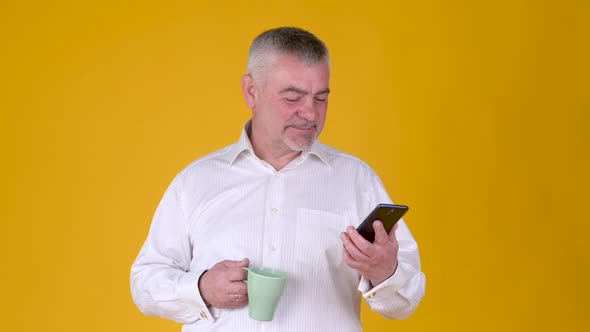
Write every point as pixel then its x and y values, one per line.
pixel 162 283
pixel 391 282
pixel 398 295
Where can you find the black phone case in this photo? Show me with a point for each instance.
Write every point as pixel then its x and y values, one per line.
pixel 389 214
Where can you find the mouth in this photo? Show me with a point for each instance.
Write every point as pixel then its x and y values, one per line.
pixel 303 128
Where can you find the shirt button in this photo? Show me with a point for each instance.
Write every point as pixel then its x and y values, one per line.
pixel 272 247
pixel 203 314
pixel 274 211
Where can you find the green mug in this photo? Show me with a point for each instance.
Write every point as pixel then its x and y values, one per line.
pixel 265 287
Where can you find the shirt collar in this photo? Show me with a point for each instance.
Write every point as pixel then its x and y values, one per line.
pixel 244 146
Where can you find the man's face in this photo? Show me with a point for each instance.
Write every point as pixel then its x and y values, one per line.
pixel 289 109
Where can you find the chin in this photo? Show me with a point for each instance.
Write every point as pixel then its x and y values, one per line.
pixel 300 146
pixel 300 142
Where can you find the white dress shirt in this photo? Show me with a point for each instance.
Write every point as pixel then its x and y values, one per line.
pixel 232 205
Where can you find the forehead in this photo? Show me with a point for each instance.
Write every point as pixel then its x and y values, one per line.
pixel 289 71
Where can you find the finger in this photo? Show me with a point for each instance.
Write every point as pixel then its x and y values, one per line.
pixel 237 297
pixel 245 262
pixel 391 234
pixel 237 287
pixel 359 241
pixel 380 232
pixel 351 249
pixel 232 302
pixel 350 261
pixel 232 264
pixel 234 274
pixel 235 271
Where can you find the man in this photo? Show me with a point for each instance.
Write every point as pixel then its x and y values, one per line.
pixel 277 198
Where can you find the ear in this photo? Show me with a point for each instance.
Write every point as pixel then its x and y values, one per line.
pixel 249 90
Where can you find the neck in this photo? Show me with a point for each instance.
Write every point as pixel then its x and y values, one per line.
pixel 278 158
pixel 276 155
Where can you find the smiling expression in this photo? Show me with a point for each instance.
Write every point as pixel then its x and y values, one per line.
pixel 289 102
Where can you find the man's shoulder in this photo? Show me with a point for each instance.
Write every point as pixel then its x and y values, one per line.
pixel 338 158
pixel 209 161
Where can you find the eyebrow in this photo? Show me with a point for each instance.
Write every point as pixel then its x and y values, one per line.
pixel 303 92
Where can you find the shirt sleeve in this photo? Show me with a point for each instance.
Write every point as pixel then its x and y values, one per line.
pixel 399 296
pixel 161 281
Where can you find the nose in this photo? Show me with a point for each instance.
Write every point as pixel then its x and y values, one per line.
pixel 307 110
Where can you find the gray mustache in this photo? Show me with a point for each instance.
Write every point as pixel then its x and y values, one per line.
pixel 305 125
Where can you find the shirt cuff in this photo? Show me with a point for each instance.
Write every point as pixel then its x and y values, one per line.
pixel 384 289
pixel 189 291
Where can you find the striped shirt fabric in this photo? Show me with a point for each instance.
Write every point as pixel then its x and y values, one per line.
pixel 231 205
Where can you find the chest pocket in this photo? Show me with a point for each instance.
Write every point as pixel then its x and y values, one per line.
pixel 318 238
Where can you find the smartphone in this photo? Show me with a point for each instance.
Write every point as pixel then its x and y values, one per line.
pixel 389 214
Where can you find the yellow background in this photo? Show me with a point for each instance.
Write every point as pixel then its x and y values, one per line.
pixel 474 113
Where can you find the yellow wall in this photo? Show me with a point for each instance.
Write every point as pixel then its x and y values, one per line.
pixel 476 115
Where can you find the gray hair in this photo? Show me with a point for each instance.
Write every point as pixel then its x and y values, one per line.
pixel 291 41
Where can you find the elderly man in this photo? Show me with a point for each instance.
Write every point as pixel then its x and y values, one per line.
pixel 277 198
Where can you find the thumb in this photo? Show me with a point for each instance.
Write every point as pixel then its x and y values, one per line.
pixel 242 263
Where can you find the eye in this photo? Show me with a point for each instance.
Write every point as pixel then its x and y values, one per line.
pixel 321 100
pixel 293 100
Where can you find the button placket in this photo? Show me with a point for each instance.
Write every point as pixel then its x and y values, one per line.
pixel 272 216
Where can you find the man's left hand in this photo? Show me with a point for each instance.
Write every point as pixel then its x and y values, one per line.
pixel 376 261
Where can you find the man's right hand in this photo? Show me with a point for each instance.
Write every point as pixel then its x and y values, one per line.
pixel 223 285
